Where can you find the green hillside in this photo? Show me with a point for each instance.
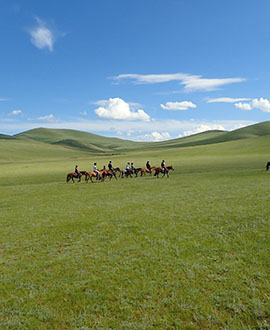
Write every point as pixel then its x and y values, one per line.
pixel 12 150
pixel 77 139
pixel 212 137
pixel 6 137
pixel 43 143
pixel 99 144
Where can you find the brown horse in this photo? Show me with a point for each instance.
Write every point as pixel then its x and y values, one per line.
pixel 130 172
pixel 159 170
pixel 111 174
pixel 147 170
pixel 90 175
pixel 72 176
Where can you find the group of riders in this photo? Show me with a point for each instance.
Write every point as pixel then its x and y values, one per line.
pixel 130 168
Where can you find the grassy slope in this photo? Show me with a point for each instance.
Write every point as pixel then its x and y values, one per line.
pixel 6 137
pixel 78 139
pixel 99 144
pixel 13 150
pixel 187 252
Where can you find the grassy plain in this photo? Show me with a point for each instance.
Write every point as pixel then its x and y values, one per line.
pixel 187 252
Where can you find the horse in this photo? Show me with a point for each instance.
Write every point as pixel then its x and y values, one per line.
pixel 117 169
pixel 159 170
pixel 130 172
pixel 72 176
pixel 267 166
pixel 111 174
pixel 147 170
pixel 90 175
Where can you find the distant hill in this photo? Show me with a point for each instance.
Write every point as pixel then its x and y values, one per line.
pixel 6 137
pixel 77 139
pixel 211 137
pixel 43 143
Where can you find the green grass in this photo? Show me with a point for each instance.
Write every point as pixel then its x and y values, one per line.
pixel 187 252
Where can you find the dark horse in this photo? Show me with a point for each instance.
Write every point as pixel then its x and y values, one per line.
pixel 159 170
pixel 267 166
pixel 130 172
pixel 73 175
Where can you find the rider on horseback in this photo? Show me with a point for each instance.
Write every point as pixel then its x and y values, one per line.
pixel 148 166
pixel 95 170
pixel 77 171
pixel 110 166
pixel 164 170
pixel 133 169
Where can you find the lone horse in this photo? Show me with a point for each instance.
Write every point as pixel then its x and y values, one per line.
pixel 159 170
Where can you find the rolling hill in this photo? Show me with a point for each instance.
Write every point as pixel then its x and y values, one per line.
pixel 46 143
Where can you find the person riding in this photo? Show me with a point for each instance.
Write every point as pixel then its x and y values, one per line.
pixel 110 167
pixel 127 168
pixel 95 170
pixel 133 169
pixel 164 170
pixel 148 166
pixel 77 171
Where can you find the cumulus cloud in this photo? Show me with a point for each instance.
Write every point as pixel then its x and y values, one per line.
pixel 15 112
pixel 184 105
pixel 154 136
pixel 261 104
pixel 190 82
pixel 243 106
pixel 203 128
pixel 41 36
pixel 47 118
pixel 116 108
pixel 227 100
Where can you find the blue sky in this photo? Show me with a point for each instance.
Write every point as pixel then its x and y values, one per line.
pixel 141 70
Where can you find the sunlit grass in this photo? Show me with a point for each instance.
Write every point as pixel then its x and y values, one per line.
pixel 187 252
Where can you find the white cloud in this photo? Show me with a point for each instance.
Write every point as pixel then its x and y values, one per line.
pixel 243 106
pixel 3 99
pixel 84 113
pixel 204 128
pixel 227 100
pixel 190 82
pixel 116 108
pixel 184 105
pixel 41 36
pixel 261 104
pixel 47 118
pixel 15 112
pixel 154 136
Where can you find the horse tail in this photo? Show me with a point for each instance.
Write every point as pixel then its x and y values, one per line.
pixel 68 178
